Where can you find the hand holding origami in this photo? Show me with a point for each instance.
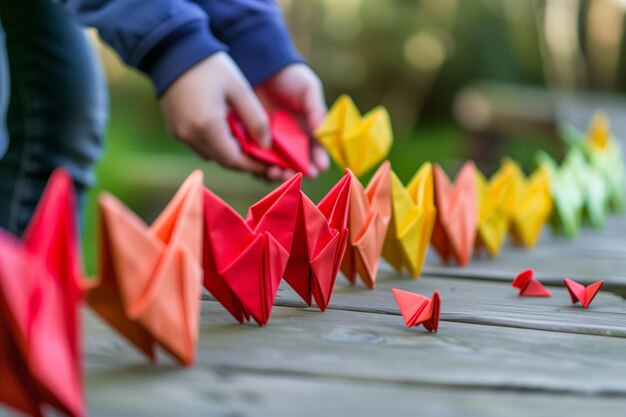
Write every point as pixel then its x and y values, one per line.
pixel 457 214
pixel 319 244
pixel 244 260
pixel 354 141
pixel 290 145
pixel 417 309
pixel 150 276
pixel 368 219
pixel 412 221
pixel 40 293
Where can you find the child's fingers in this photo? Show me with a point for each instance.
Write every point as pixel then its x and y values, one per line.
pixel 314 106
pixel 319 156
pixel 217 143
pixel 251 113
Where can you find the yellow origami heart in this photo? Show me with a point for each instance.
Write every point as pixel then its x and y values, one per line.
pixel 599 133
pixel 493 216
pixel 529 203
pixel 354 141
pixel 412 220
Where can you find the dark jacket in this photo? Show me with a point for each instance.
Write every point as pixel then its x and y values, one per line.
pixel 164 38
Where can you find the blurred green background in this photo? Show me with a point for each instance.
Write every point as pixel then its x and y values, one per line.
pixel 461 79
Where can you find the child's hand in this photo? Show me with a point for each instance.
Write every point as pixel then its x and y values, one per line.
pixel 196 106
pixel 296 88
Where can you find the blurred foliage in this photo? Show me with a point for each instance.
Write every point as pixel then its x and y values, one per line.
pixel 411 56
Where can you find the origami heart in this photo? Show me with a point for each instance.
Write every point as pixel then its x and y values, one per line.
pixel 529 286
pixel 354 141
pixel 368 219
pixel 529 204
pixel 244 260
pixel 457 214
pixel 579 292
pixel 319 243
pixel 417 309
pixel 290 145
pixel 493 217
pixel 40 296
pixel 150 277
pixel 412 221
pixel 567 196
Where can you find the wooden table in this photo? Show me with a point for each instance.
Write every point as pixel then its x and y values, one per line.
pixel 495 354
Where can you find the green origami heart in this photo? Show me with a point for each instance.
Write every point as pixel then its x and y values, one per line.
pixel 593 185
pixel 567 196
pixel 608 162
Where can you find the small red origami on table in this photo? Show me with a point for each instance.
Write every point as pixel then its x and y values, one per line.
pixel 456 223
pixel 417 309
pixel 290 145
pixel 319 244
pixel 244 260
pixel 40 295
pixel 579 292
pixel 529 286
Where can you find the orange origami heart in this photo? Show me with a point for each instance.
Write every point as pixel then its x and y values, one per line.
pixel 244 260
pixel 368 219
pixel 40 295
pixel 457 214
pixel 150 276
pixel 417 309
pixel 319 244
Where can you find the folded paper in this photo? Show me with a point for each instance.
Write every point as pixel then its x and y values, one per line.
pixel 290 145
pixel 244 260
pixel 417 309
pixel 150 276
pixel 319 244
pixel 592 185
pixel 579 292
pixel 567 196
pixel 354 141
pixel 529 203
pixel 604 154
pixel 457 214
pixel 412 221
pixel 40 294
pixel 493 217
pixel 529 286
pixel 368 220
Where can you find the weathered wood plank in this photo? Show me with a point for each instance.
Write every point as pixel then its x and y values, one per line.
pixel 148 392
pixel 482 302
pixel 549 270
pixel 377 348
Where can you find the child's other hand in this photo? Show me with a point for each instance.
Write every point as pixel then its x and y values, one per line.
pixel 296 88
pixel 196 106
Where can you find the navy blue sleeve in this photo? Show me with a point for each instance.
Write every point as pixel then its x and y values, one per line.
pixel 162 38
pixel 255 33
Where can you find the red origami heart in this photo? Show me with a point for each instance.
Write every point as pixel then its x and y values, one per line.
pixel 244 260
pixel 579 292
pixel 417 309
pixel 319 244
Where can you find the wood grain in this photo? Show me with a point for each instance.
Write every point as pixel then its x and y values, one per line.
pixel 377 348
